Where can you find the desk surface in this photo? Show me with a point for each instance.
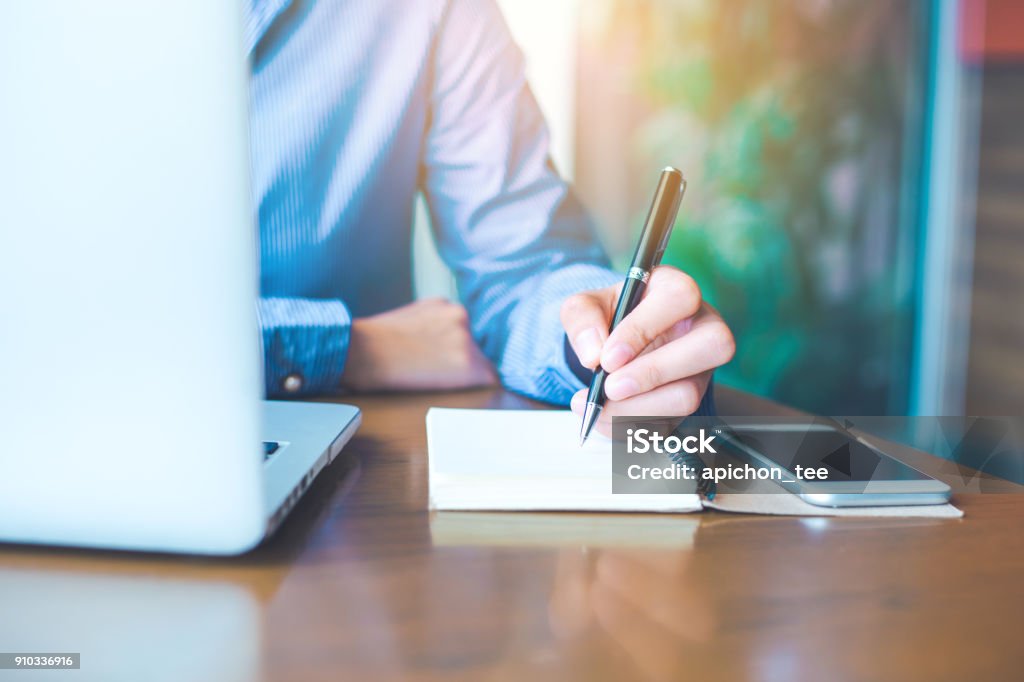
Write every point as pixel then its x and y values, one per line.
pixel 356 585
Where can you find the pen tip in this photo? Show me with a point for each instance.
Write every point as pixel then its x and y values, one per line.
pixel 589 419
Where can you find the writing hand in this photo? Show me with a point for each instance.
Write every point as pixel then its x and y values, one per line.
pixel 660 357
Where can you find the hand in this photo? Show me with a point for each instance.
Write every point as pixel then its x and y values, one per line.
pixel 420 346
pixel 660 357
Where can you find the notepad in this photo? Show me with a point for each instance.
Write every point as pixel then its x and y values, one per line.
pixel 527 460
pixel 530 460
pixel 541 529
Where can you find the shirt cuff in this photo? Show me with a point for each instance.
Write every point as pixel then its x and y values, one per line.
pixel 533 360
pixel 305 345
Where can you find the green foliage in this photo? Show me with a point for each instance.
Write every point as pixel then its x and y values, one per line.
pixel 788 118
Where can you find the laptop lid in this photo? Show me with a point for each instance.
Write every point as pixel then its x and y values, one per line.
pixel 129 358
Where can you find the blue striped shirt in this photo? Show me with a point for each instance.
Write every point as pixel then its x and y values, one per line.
pixel 356 105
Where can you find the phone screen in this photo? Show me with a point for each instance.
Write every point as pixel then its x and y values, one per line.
pixel 815 446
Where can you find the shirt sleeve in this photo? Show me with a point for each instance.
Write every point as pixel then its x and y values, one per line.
pixel 305 344
pixel 509 227
pixel 515 237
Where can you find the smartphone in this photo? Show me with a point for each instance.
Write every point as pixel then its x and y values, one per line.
pixel 839 469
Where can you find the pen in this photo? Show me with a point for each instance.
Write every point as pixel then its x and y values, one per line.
pixel 649 250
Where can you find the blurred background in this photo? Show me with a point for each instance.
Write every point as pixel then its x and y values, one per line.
pixel 856 168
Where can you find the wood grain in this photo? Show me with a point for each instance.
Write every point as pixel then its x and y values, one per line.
pixel 354 586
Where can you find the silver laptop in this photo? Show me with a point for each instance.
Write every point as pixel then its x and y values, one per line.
pixel 130 367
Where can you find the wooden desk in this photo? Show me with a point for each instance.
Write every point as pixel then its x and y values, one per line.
pixel 354 587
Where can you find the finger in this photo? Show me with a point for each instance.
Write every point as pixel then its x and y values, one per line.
pixel 586 317
pixel 671 296
pixel 708 344
pixel 578 404
pixel 675 399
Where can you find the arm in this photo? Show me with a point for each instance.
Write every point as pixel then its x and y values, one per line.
pixel 510 228
pixel 524 254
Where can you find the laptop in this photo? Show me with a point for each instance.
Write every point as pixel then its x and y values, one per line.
pixel 130 360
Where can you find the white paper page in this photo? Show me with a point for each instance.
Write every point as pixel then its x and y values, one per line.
pixel 526 460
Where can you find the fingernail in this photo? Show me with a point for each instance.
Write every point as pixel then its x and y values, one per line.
pixel 588 346
pixel 620 388
pixel 616 357
pixel 577 403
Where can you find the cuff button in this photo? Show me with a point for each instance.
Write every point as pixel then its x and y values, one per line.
pixel 292 383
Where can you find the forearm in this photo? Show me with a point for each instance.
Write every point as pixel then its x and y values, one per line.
pixel 305 344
